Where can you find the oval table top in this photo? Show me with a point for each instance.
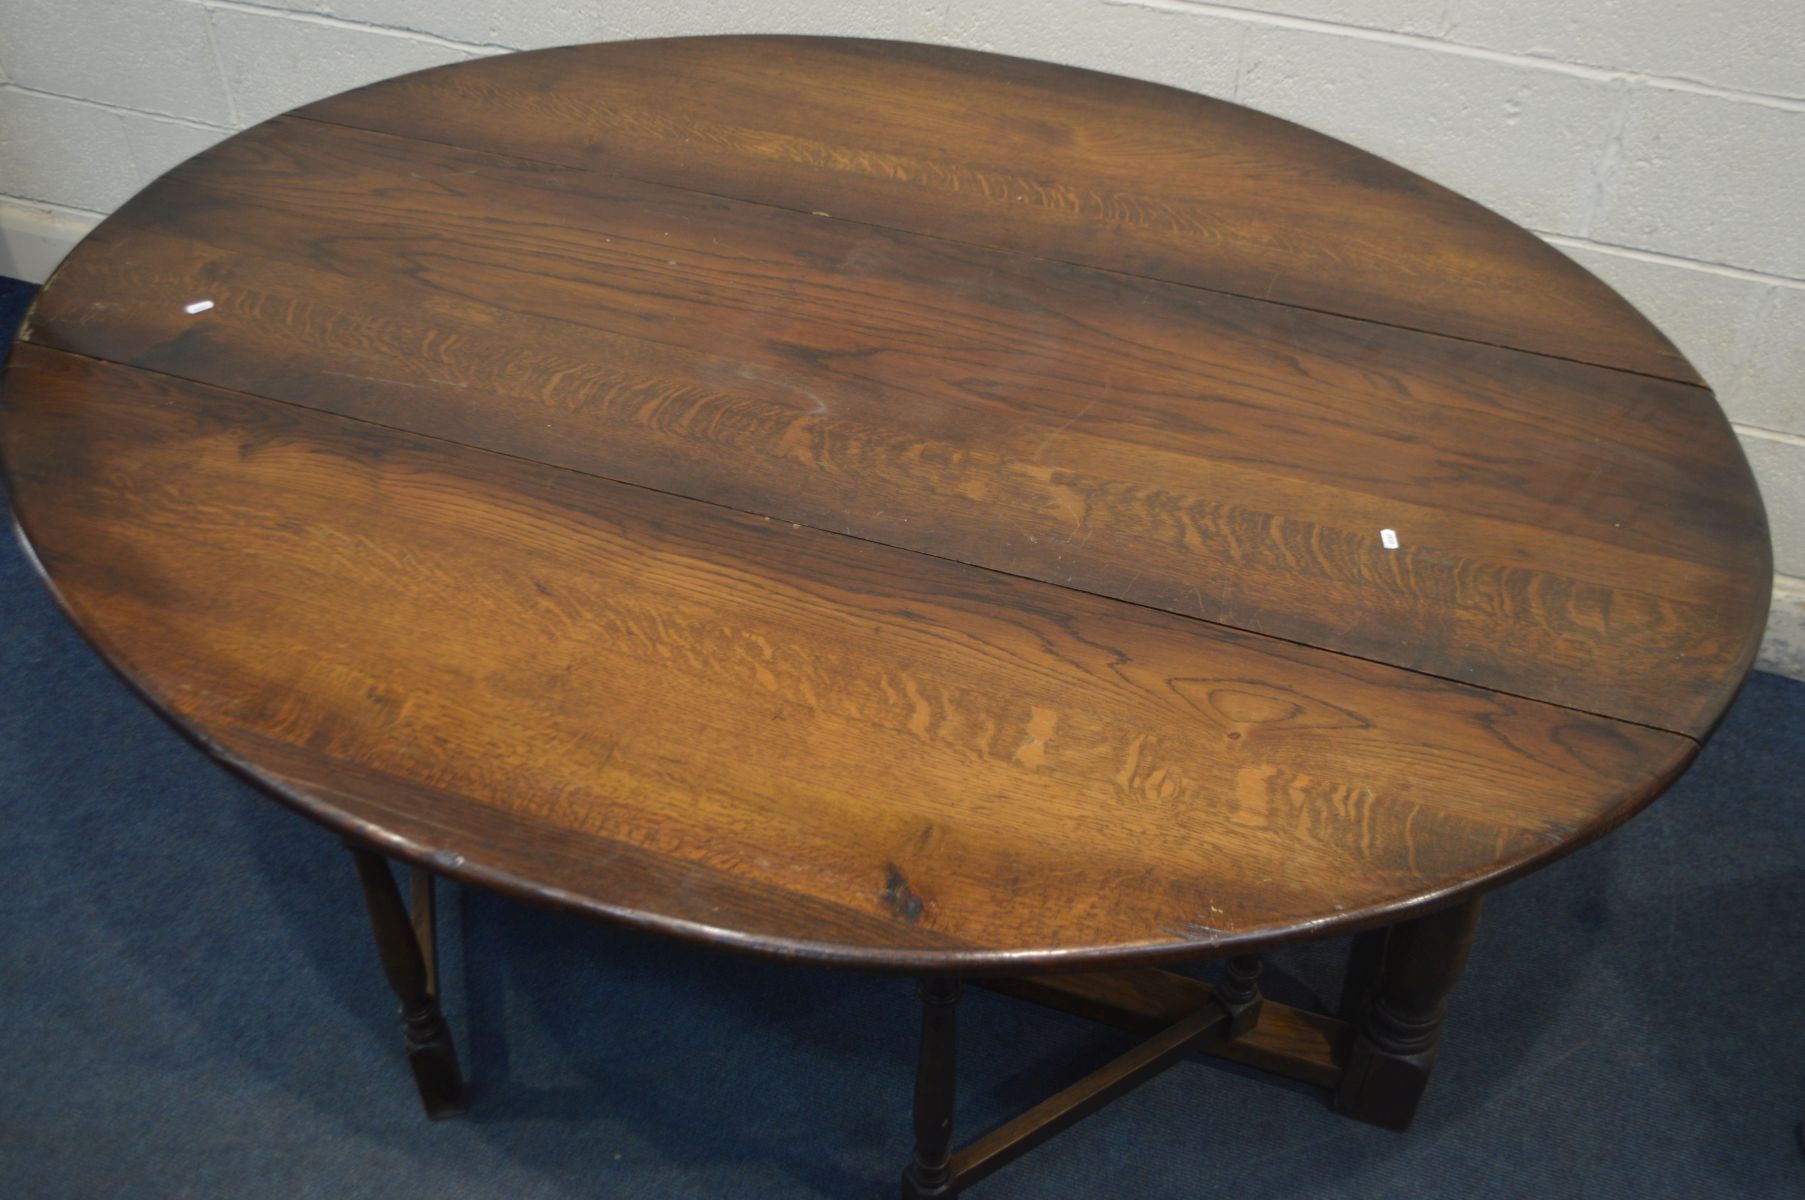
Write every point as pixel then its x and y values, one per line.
pixel 887 505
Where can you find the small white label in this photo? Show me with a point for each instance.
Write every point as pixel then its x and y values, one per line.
pixel 1389 537
pixel 199 306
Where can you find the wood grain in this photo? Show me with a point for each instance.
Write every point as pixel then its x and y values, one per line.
pixel 1569 533
pixel 764 735
pixel 886 505
pixel 1059 163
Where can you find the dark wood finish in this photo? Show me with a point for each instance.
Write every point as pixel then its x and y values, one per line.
pixel 930 1172
pixel 1238 994
pixel 423 911
pixel 430 1052
pixel 1365 960
pixel 1568 533
pixel 1046 160
pixel 1010 1140
pixel 765 736
pixel 1296 1043
pixel 1389 1064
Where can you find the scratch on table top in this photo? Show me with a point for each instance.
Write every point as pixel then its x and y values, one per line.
pixel 1067 423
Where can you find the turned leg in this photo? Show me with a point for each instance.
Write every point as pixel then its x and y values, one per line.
pixel 929 1173
pixel 1388 1066
pixel 1239 994
pixel 408 949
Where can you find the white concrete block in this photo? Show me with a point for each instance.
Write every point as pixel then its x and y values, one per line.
pixel 158 145
pixel 682 18
pixel 274 63
pixel 1193 51
pixel 1708 178
pixel 1779 465
pixel 921 20
pixel 1521 140
pixel 34 239
pixel 1754 45
pixel 146 54
pixel 1710 316
pixel 1398 16
pixel 63 152
pixel 1771 389
pixel 520 26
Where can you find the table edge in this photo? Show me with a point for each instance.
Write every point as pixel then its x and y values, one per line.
pixel 952 960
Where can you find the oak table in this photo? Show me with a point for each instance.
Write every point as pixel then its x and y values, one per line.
pixel 901 508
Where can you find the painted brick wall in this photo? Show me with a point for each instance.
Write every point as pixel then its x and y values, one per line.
pixel 1659 142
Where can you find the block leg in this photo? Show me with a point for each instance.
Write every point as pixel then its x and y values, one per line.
pixel 1394 1050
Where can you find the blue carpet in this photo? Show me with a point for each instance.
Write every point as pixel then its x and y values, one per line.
pixel 189 1006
